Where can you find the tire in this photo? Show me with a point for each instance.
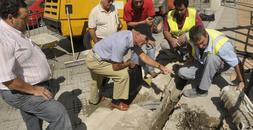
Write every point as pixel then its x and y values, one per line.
pixel 41 23
pixel 87 41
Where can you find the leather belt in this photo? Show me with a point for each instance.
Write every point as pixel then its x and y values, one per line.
pixel 44 83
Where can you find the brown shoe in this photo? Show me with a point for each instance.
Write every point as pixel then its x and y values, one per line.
pixel 121 106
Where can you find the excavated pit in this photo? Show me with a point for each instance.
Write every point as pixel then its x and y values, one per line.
pixel 191 119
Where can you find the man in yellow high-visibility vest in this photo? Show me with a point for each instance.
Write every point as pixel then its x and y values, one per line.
pixel 212 52
pixel 178 22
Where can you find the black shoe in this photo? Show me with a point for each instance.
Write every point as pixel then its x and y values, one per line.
pixel 191 93
pixel 91 103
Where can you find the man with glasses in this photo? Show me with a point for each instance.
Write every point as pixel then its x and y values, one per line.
pixel 137 12
pixel 24 72
pixel 178 22
pixel 106 60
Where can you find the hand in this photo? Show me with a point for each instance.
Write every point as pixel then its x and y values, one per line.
pixel 182 39
pixel 174 42
pixel 189 61
pixel 95 41
pixel 165 70
pixel 42 91
pixel 131 63
pixel 149 21
pixel 241 86
pixel 120 26
pixel 151 43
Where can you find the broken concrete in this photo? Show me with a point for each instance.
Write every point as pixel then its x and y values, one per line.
pixel 239 107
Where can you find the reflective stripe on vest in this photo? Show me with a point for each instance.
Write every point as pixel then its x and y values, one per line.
pixel 190 21
pixel 218 39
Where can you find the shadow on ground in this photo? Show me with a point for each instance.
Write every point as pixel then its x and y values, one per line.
pixel 64 47
pixel 73 105
pixel 55 84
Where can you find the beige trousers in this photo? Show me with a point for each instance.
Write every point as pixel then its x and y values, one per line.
pixel 99 70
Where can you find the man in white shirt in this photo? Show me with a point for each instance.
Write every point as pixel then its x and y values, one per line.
pixel 24 72
pixel 103 20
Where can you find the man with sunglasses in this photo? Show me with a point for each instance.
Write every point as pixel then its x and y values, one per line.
pixel 24 72
pixel 106 60
pixel 178 22
pixel 137 12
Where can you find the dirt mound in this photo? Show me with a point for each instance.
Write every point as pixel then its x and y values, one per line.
pixel 196 119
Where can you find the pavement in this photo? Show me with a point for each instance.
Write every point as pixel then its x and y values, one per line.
pixel 72 84
pixel 233 20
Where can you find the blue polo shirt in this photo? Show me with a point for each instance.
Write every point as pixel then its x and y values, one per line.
pixel 115 47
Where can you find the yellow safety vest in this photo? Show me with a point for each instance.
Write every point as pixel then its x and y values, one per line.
pixel 190 21
pixel 217 40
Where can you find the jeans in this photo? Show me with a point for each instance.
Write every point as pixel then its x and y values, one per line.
pixel 150 52
pixel 34 109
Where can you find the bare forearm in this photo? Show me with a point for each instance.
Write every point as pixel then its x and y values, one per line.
pixel 120 66
pixel 19 85
pixel 169 38
pixel 93 35
pixel 238 72
pixel 145 58
pixel 133 24
pixel 120 25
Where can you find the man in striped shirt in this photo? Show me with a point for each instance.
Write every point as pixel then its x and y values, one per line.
pixel 24 72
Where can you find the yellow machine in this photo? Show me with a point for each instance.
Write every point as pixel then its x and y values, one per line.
pixel 56 18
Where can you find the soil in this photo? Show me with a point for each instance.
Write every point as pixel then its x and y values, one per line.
pixel 196 119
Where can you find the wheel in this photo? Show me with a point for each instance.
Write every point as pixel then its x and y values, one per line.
pixel 87 41
pixel 41 23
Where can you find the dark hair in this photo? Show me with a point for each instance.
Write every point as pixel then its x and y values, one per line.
pixel 178 3
pixel 11 7
pixel 196 32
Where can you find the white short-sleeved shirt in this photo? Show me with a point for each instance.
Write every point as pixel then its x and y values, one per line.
pixel 105 23
pixel 20 58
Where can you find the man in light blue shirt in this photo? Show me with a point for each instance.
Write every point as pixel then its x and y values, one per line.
pixel 212 52
pixel 106 60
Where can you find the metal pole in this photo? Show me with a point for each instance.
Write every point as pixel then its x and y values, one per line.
pixel 70 33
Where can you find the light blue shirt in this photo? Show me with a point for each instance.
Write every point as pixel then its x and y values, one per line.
pixel 226 53
pixel 115 46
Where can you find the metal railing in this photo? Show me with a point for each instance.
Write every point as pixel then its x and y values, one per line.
pixel 251 17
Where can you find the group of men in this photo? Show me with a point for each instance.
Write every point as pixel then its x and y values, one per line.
pixel 24 78
pixel 106 60
pixel 205 52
